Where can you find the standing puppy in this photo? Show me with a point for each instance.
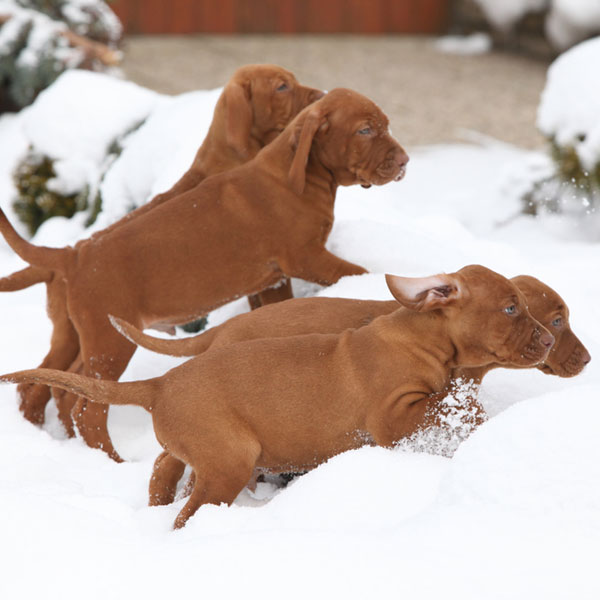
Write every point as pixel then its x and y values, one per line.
pixel 278 209
pixel 289 404
pixel 256 105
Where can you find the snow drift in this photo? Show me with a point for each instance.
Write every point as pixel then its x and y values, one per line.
pixel 514 513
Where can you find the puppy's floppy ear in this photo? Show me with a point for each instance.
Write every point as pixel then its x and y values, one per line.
pixel 425 293
pixel 238 117
pixel 303 139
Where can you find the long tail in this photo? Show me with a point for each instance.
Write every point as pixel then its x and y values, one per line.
pixel 103 391
pixel 191 346
pixel 19 280
pixel 39 256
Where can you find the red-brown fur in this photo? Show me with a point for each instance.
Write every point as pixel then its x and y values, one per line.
pixel 175 263
pixel 252 110
pixel 283 404
pixel 299 316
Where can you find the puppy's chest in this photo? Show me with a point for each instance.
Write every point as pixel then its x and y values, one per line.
pixel 325 230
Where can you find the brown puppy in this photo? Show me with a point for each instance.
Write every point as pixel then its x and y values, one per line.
pixel 300 316
pixel 568 355
pixel 255 106
pixel 279 211
pixel 284 404
pixel 333 315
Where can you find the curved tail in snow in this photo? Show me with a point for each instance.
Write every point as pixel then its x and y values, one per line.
pixel 57 259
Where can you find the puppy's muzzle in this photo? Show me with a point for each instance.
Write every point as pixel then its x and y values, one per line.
pixel 542 342
pixel 394 167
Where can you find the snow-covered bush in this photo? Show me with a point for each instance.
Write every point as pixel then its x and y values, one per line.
pixel 566 21
pixel 37 199
pixel 39 39
pixel 75 130
pixel 97 143
pixel 569 117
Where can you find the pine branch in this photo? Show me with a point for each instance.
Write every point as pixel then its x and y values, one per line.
pixel 92 50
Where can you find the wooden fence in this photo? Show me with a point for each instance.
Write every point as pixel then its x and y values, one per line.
pixel 283 16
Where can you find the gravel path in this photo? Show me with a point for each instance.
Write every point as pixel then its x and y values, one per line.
pixel 429 96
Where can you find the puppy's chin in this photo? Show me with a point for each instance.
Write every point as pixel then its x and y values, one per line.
pixel 544 368
pixel 401 174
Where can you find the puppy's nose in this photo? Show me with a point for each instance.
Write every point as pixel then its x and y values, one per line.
pixel 401 157
pixel 586 358
pixel 547 339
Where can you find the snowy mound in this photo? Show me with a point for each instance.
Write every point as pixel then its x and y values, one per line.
pixel 568 111
pixel 82 113
pixel 157 154
pixel 570 21
pixel 78 121
pixel 514 513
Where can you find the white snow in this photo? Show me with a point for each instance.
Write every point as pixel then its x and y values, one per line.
pixel 74 122
pixel 475 43
pixel 570 21
pixel 569 106
pixel 82 13
pixel 89 111
pixel 566 23
pixel 79 14
pixel 155 154
pixel 12 149
pixel 514 513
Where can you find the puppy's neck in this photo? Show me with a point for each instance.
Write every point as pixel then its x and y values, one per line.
pixel 425 334
pixel 318 177
pixel 277 158
pixel 417 340
pixel 216 147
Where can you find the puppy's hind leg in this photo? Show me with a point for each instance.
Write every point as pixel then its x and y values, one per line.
pixel 66 401
pixel 166 473
pixel 221 480
pixel 64 346
pixel 105 356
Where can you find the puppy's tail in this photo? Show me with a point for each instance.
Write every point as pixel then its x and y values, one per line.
pixel 191 346
pixel 24 278
pixel 103 391
pixel 55 259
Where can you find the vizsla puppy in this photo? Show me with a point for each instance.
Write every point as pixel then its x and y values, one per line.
pixel 299 316
pixel 279 211
pixel 255 106
pixel 288 404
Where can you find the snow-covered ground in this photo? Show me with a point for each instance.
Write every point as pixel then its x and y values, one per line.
pixel 515 513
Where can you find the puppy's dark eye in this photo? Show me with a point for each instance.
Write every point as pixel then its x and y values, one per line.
pixel 364 131
pixel 283 87
pixel 510 310
pixel 557 322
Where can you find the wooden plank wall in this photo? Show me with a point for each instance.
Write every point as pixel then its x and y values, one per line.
pixel 283 16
